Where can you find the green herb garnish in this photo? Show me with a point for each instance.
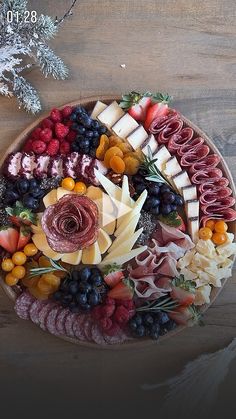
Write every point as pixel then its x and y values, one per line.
pixel 168 305
pixel 55 266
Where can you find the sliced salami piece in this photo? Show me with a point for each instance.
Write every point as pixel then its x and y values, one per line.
pixel 23 305
pixel 88 323
pixel 97 336
pixel 200 152
pixel 190 146
pixel 114 340
pixel 208 175
pixel 60 320
pixel 51 320
pixel 43 314
pixel 209 186
pixel 218 205
pixel 35 309
pixel 171 128
pixel 70 318
pixel 78 326
pixel 228 214
pixel 159 123
pixel 207 162
pixel 211 196
pixel 177 140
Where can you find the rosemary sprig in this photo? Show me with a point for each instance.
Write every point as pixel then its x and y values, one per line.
pixel 168 305
pixel 55 266
pixel 196 316
pixel 153 173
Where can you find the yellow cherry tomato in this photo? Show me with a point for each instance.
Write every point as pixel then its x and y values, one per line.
pixel 68 183
pixel 19 258
pixel 30 249
pixel 80 188
pixel 210 224
pixel 205 233
pixel 221 227
pixel 11 280
pixel 7 265
pixel 19 272
pixel 219 238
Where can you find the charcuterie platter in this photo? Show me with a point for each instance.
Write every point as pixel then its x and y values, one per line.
pixel 117 221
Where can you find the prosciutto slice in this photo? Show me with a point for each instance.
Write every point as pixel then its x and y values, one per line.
pixel 173 127
pixel 199 152
pixel 207 162
pixel 159 123
pixel 177 140
pixel 190 146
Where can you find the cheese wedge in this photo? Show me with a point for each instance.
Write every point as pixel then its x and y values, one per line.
pixel 98 108
pixel 189 192
pixel 120 260
pixel 125 199
pixel 137 137
pixel 50 198
pixel 72 258
pixel 192 208
pixel 124 126
pixel 136 210
pixel 52 255
pixel 92 255
pixel 181 180
pixel 104 241
pixel 40 241
pixel 126 246
pixel 61 192
pixel 113 190
pixel 152 143
pixel 162 156
pixel 94 193
pixel 126 233
pixel 110 228
pixel 111 114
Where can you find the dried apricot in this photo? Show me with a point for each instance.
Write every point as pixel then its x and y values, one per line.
pixel 29 281
pixel 124 147
pixel 113 151
pixel 117 164
pixel 37 293
pixel 114 140
pixel 103 147
pixel 131 165
pixel 137 154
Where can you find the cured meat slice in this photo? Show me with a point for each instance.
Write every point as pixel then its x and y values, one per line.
pixel 70 318
pixel 197 153
pixel 226 214
pixel 177 140
pixel 87 325
pixel 209 186
pixel 70 164
pixel 55 168
pixel 190 146
pixel 219 205
pixel 78 327
pixel 96 335
pixel 212 195
pixel 121 337
pixel 60 321
pixel 35 309
pixel 23 305
pixel 207 175
pixel 172 127
pixel 207 162
pixel 159 123
pixel 51 320
pixel 43 314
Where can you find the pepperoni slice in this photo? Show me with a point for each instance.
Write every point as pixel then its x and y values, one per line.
pixel 60 321
pixel 209 186
pixel 23 305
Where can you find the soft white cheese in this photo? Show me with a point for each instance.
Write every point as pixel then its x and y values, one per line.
pixel 202 295
pixel 206 248
pixel 186 259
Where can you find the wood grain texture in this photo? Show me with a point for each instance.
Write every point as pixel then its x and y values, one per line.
pixel 181 46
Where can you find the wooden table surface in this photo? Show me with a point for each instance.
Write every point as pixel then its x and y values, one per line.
pixel 187 48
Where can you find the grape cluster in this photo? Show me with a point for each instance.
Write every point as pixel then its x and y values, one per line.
pixel 88 132
pixel 81 290
pixel 150 324
pixel 161 199
pixel 24 190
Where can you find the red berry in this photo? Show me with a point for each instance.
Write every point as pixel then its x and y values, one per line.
pixel 129 304
pixel 35 134
pixel 56 115
pixel 68 123
pixel 113 330
pixel 38 146
pixel 61 130
pixel 67 111
pixel 46 135
pixel 28 145
pixel 65 147
pixel 110 301
pixel 53 147
pixel 47 123
pixel 121 315
pixel 105 324
pixel 97 313
pixel 71 136
pixel 108 310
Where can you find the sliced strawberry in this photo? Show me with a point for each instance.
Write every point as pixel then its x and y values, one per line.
pixel 24 237
pixel 181 315
pixel 158 110
pixel 113 275
pixel 122 291
pixel 185 298
pixel 139 110
pixel 9 238
pixel 182 226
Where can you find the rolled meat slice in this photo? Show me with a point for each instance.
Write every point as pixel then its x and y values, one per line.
pixel 190 146
pixel 211 196
pixel 199 152
pixel 210 186
pixel 173 127
pixel 208 175
pixel 226 214
pixel 206 162
pixel 180 138
pixel 159 123
pixel 220 204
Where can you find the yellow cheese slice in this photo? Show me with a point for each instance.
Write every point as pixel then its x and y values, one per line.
pixel 104 241
pixel 72 258
pixel 110 228
pixel 50 198
pixel 120 260
pixel 94 193
pixel 40 241
pixel 61 192
pixel 136 210
pixel 126 246
pixel 91 255
pixel 53 255
pixel 113 190
pixel 126 233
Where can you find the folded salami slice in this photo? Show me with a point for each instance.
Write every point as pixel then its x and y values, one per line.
pixel 159 123
pixel 222 204
pixel 190 146
pixel 213 195
pixel 209 186
pixel 180 138
pixel 226 214
pixel 207 162
pixel 199 152
pixel 207 175
pixel 173 127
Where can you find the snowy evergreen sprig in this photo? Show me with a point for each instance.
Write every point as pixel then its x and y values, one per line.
pixel 23 44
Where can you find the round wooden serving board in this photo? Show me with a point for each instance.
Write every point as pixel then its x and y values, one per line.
pixel 89 103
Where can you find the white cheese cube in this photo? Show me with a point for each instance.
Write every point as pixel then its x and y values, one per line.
pixel 224 273
pixel 202 261
pixel 181 180
pixel 193 228
pixel 150 144
pixel 137 137
pixel 192 208
pixel 125 126
pixel 189 192
pixel 172 167
pixel 202 295
pixel 186 259
pixel 111 114
pixel 206 248
pixel 162 156
pixel 227 249
pixel 98 108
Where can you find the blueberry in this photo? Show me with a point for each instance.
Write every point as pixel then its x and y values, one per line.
pixel 85 120
pixel 75 147
pixel 95 142
pixel 164 188
pixel 81 298
pixel 91 152
pixel 96 279
pixel 154 189
pixel 67 299
pixel 173 207
pixel 102 130
pixel 74 126
pixel 37 192
pixel 148 319
pixel 33 183
pixel 10 197
pixel 151 202
pixel 74 308
pixel 85 273
pixel 64 285
pixel 85 287
pixel 79 110
pixel 75 275
pixel 140 331
pixel 96 134
pixel 179 200
pixel 30 202
pixel 89 133
pixel 73 117
pixel 133 325
pixel 57 295
pixel 93 298
pixel 170 325
pixel 138 319
pixel 81 129
pixel 73 287
pixel 155 210
pixel 95 125
pixel 162 318
pixel 86 306
pixel 22 186
pixel 138 179
pixel 166 209
pixel 139 188
pixel 168 197
pixel 155 328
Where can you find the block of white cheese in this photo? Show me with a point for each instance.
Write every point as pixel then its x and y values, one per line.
pixel 192 208
pixel 162 156
pixel 137 137
pixel 125 126
pixel 193 228
pixel 189 192
pixel 98 108
pixel 151 144
pixel 111 114
pixel 172 167
pixel 181 180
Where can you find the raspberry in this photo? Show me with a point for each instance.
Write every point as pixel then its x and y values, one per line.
pixel 47 123
pixel 97 313
pixel 129 304
pixel 28 145
pixel 61 130
pixel 65 147
pixel 46 135
pixel 38 146
pixel 121 315
pixel 105 324
pixel 35 134
pixel 55 115
pixel 68 123
pixel 108 310
pixel 67 111
pixel 109 301
pixel 71 136
pixel 53 147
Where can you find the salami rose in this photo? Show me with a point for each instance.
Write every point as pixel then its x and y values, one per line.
pixel 71 224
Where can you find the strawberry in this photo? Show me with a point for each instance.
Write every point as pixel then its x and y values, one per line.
pixel 182 226
pixel 181 315
pixel 121 315
pixel 113 275
pixel 139 110
pixel 157 110
pixel 184 297
pixel 61 130
pixel 9 238
pixel 19 215
pixel 24 237
pixel 123 290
